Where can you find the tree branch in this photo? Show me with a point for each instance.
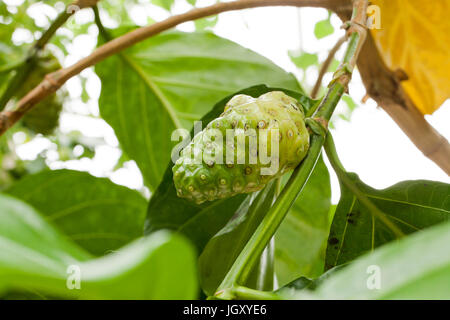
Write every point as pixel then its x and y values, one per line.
pixel 55 80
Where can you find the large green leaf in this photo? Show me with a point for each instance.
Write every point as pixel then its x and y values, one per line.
pixel 36 257
pixel 292 288
pixel 169 81
pixel 223 249
pixel 94 212
pixel 416 267
pixel 410 205
pixel 200 222
pixel 300 241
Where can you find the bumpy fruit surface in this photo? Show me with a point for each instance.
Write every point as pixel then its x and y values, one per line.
pixel 44 117
pixel 234 152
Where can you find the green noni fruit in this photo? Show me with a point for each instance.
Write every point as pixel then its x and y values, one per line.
pixel 253 141
pixel 44 117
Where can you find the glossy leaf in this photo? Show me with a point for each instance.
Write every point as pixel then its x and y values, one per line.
pixel 94 212
pixel 169 81
pixel 36 257
pixel 293 288
pixel 410 205
pixel 206 23
pixel 301 240
pixel 416 267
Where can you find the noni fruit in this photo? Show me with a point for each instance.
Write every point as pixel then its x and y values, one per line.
pixel 252 142
pixel 44 117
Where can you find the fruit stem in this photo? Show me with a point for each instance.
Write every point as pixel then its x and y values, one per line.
pixel 244 293
pixel 247 259
pixel 242 267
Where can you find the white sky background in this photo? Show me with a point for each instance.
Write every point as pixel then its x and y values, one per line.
pixel 371 144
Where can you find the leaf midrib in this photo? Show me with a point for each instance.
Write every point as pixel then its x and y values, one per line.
pixel 155 89
pixel 165 56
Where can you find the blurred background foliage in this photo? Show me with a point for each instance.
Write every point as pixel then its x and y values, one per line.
pixel 22 23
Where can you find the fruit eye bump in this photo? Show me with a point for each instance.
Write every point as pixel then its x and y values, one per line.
pixel 254 141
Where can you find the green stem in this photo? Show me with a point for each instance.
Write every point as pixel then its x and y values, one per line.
pixel 329 102
pixel 48 34
pixel 248 258
pixel 266 267
pixel 244 293
pixel 243 265
pixel 105 35
pixel 21 75
pixel 344 178
pixel 266 276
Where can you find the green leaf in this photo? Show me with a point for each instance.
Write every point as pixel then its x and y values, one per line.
pixel 291 289
pixel 416 267
pixel 410 205
pixel 347 113
pixel 206 23
pixel 94 212
pixel 169 81
pixel 323 28
pixel 349 101
pixel 334 66
pixel 223 249
pixel 301 240
pixel 200 222
pixel 166 4
pixel 36 257
pixel 304 60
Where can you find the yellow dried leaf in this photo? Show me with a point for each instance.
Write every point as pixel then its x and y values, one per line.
pixel 415 37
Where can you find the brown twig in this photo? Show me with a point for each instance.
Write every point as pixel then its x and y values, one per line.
pixel 325 66
pixel 55 80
